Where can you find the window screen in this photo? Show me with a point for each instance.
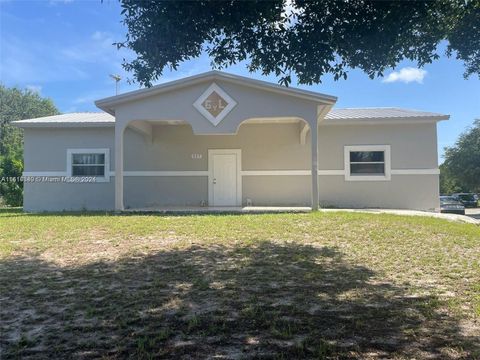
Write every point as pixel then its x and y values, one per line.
pixel 88 165
pixel 367 162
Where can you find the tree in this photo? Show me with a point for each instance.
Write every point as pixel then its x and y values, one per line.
pixel 16 104
pixel 461 169
pixel 449 183
pixel 309 38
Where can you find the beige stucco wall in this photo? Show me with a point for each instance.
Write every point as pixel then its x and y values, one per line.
pixel 251 103
pixel 45 150
pixel 402 192
pixel 264 147
pixel 413 146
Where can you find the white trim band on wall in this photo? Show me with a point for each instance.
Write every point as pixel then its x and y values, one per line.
pixel 44 173
pixel 415 172
pixel 275 172
pixel 163 173
pixel 243 173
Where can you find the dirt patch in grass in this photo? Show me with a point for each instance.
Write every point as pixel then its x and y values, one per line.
pixel 291 286
pixel 264 300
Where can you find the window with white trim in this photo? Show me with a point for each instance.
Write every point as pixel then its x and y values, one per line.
pixel 367 162
pixel 89 163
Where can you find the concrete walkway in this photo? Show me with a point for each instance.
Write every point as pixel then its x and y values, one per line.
pixel 473 213
pixel 450 217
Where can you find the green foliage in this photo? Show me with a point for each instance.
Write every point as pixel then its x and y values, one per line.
pixel 448 183
pixel 11 191
pixel 460 171
pixel 16 104
pixel 319 37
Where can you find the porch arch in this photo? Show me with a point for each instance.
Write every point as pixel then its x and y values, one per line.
pixel 145 128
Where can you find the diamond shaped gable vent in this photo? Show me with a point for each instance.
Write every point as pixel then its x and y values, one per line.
pixel 214 104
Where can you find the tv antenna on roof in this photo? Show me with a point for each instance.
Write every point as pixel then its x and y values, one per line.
pixel 117 78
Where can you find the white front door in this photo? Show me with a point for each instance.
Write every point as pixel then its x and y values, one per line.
pixel 224 177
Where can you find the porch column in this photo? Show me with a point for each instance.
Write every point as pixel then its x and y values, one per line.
pixel 314 132
pixel 119 167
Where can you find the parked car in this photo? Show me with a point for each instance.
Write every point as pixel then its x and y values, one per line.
pixel 449 204
pixel 467 199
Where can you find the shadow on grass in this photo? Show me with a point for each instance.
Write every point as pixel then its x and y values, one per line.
pixel 16 212
pixel 262 301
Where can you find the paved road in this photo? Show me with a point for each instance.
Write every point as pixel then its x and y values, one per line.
pixel 474 213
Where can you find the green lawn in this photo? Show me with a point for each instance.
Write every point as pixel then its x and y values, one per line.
pixel 317 285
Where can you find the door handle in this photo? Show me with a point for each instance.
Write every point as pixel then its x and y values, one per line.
pixel 214 181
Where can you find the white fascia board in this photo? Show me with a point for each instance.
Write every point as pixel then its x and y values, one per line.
pixel 23 125
pixel 383 121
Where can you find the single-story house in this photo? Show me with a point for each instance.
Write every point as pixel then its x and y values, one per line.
pixel 222 140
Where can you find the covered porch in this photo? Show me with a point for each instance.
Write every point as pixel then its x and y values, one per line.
pixel 217 143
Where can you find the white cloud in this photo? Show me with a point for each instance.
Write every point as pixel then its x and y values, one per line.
pixel 90 97
pixel 406 75
pixel 34 88
pixel 98 48
pixel 55 2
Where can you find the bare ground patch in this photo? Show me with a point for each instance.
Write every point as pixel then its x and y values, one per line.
pixel 264 301
pixel 290 286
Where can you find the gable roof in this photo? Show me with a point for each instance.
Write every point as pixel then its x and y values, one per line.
pixel 108 104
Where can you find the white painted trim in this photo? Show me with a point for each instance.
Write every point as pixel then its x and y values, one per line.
pixel 104 151
pixel 303 133
pixel 275 172
pixel 387 161
pixel 211 153
pixel 416 172
pixel 38 124
pixel 163 173
pixel 331 172
pixel 382 121
pixel 188 173
pixel 230 104
pixel 44 173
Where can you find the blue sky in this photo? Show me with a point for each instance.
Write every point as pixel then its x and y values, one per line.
pixel 63 49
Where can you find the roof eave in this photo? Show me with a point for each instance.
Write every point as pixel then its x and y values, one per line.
pixel 376 121
pixel 108 104
pixel 24 125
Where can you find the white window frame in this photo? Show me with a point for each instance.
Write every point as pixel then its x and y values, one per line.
pixel 387 162
pixel 105 152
